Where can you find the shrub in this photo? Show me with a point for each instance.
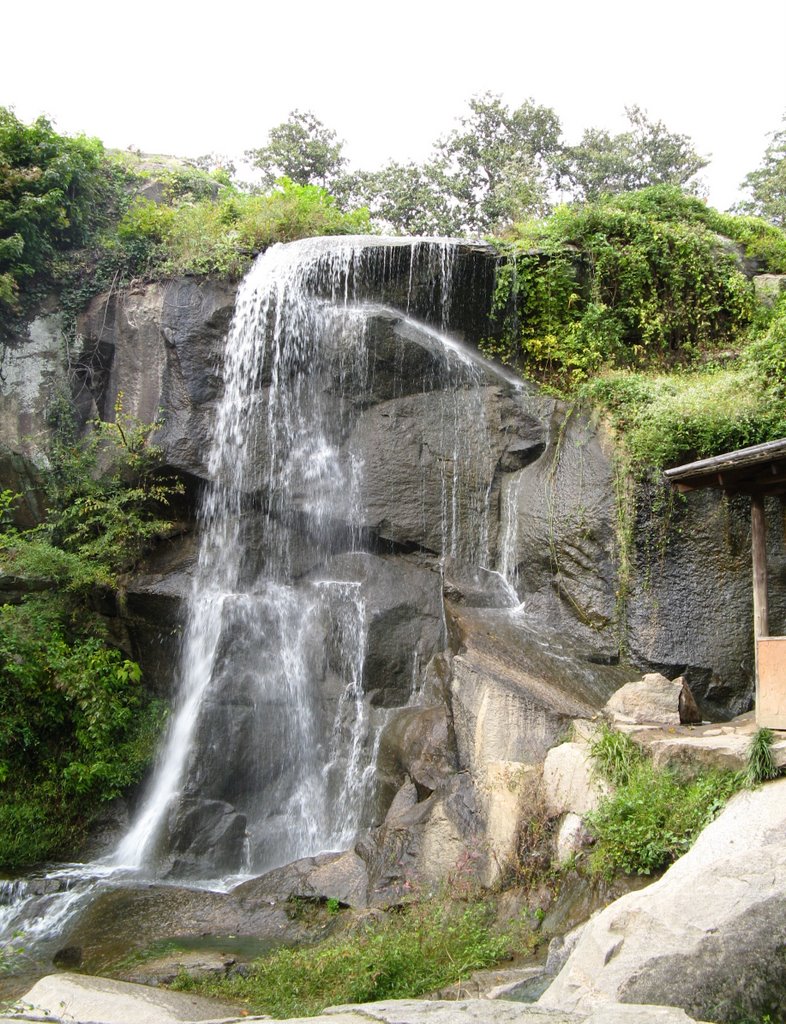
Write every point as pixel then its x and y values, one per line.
pixel 222 235
pixel 627 281
pixel 761 762
pixel 654 814
pixel 56 193
pixel 76 728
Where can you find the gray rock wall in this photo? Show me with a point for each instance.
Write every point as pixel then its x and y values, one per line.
pixel 516 490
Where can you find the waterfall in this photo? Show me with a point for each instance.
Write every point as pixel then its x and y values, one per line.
pixel 269 752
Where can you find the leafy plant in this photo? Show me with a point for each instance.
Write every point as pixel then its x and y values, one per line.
pixel 221 236
pixel 628 281
pixel 56 193
pixel 615 756
pixel 76 727
pixel 654 814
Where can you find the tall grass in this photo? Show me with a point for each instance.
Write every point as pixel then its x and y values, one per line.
pixel 422 948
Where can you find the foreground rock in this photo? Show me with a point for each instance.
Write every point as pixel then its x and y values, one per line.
pixel 78 1000
pixel 709 936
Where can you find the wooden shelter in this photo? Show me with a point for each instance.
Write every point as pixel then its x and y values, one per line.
pixel 759 471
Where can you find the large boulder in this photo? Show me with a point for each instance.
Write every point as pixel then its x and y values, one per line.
pixel 433 462
pixel 654 699
pixel 570 785
pixel 516 688
pixel 159 349
pixel 709 936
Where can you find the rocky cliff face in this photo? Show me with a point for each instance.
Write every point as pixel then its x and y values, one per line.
pixel 474 662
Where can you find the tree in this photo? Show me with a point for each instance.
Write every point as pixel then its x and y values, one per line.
pixel 767 185
pixel 301 149
pixel 647 154
pixel 496 165
pixel 408 198
pixel 54 191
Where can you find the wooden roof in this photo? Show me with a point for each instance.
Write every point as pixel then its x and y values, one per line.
pixel 760 469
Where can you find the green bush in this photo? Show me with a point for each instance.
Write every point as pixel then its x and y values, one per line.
pixel 653 815
pixel 665 419
pixel 629 281
pixel 424 947
pixel 56 194
pixel 761 765
pixel 76 728
pixel 222 235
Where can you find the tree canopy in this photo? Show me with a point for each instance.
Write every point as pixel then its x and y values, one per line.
pixel 647 154
pixel 496 164
pixel 301 149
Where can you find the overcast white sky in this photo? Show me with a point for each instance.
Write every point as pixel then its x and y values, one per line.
pixel 191 77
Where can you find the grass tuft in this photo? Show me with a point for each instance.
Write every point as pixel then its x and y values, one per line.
pixel 761 763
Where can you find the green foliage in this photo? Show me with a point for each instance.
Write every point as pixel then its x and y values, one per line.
pixel 105 504
pixel 495 165
pixel 301 149
pixel 405 198
pixel 55 194
pixel 647 154
pixel 654 814
pixel 666 419
pixel 615 756
pixel 222 236
pixel 761 762
pixel 627 281
pixel 424 947
pixel 76 728
pixel 767 184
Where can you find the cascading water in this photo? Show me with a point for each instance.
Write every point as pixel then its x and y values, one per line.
pixel 259 768
pixel 270 752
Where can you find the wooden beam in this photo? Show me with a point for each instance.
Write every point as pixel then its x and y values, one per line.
pixel 761 625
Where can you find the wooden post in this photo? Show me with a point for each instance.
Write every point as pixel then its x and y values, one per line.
pixel 761 623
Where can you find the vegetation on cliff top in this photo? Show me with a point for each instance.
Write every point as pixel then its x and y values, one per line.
pixel 76 218
pixel 639 304
pixel 633 299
